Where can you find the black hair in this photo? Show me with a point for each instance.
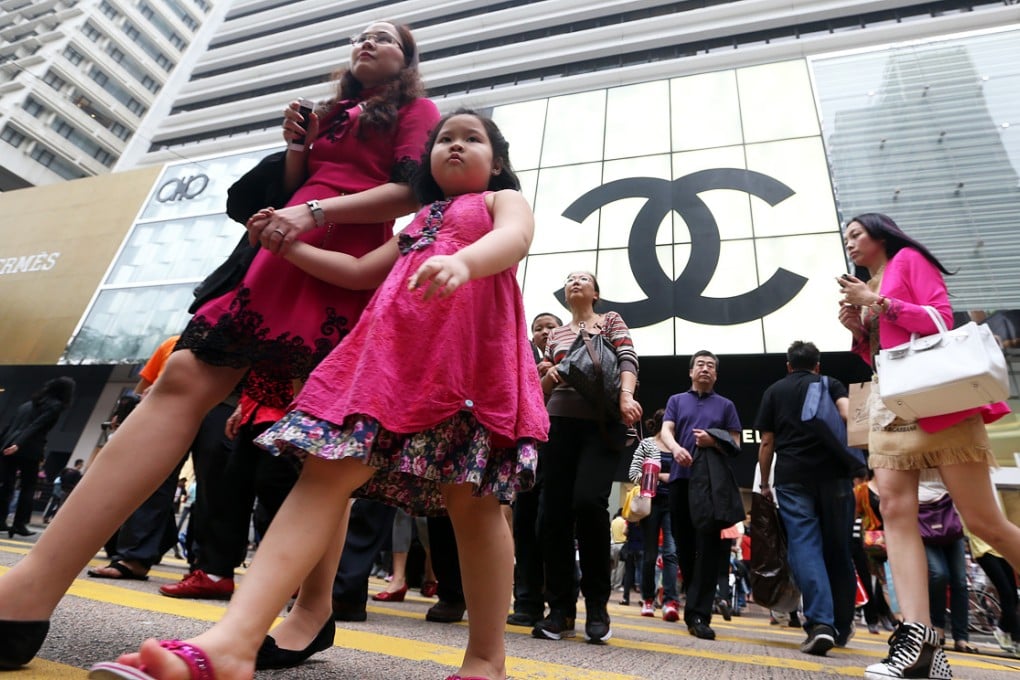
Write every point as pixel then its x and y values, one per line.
pixel 61 389
pixel 381 109
pixel 424 184
pixel 654 424
pixel 803 356
pixel 559 321
pixel 704 353
pixel 882 228
pixel 79 461
pixel 594 285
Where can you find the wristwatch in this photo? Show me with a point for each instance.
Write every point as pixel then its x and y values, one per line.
pixel 318 214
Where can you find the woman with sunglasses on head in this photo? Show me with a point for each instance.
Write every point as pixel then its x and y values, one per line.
pixel 882 308
pixel 349 180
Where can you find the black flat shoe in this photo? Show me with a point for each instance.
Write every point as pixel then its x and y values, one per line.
pixel 271 656
pixel 20 530
pixel 20 640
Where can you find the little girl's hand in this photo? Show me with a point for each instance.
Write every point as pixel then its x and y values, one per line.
pixel 443 273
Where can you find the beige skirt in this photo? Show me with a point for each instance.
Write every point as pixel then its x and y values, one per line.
pixel 898 444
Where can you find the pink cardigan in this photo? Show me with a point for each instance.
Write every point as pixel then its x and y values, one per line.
pixel 911 282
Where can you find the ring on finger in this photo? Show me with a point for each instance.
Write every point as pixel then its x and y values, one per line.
pixel 280 232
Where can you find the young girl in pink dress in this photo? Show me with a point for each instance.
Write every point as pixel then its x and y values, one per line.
pixel 431 402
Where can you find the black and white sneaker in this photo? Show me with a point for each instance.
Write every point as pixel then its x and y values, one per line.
pixel 596 625
pixel 556 626
pixel 914 652
pixel 820 640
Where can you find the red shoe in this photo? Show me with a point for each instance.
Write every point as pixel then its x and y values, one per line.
pixel 198 586
pixel 671 611
pixel 429 588
pixel 395 596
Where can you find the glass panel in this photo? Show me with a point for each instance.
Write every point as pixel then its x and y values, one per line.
pixel 126 325
pixel 574 129
pixel 618 217
pixel 705 111
pixel 731 210
pixel 175 249
pixel 522 125
pixel 637 120
pixel 557 189
pixel 776 102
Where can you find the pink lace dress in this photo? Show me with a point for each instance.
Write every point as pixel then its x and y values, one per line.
pixel 280 321
pixel 430 392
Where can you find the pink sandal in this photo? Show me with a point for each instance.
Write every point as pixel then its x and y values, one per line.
pixel 199 666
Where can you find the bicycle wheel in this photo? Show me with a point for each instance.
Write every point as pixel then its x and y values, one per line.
pixel 984 611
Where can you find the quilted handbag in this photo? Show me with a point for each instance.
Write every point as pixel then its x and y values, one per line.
pixel 591 367
pixel 949 371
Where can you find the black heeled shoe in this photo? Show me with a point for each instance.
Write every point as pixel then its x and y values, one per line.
pixel 270 656
pixel 20 640
pixel 20 530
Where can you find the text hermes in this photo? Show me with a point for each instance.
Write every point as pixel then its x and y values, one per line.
pixel 40 262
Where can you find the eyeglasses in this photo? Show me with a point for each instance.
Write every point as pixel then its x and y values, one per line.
pixel 377 38
pixel 578 279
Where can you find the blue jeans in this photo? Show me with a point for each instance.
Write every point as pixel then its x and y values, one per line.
pixel 650 527
pixel 818 518
pixel 947 565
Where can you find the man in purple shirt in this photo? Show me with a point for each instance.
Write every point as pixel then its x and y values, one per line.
pixel 684 427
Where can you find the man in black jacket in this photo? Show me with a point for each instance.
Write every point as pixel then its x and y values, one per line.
pixel 815 495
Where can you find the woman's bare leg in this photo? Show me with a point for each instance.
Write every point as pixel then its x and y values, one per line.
pixel 132 464
pixel 307 521
pixel 970 487
pixel 314 604
pixel 486 554
pixel 897 493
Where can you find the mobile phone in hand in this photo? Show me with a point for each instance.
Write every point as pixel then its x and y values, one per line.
pixel 305 109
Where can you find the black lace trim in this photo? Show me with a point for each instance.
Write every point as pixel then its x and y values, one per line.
pixel 403 170
pixel 426 236
pixel 241 339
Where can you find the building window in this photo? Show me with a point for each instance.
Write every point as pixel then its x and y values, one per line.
pixel 43 156
pixel 165 62
pixel 12 136
pixel 177 41
pixel 104 157
pixel 92 33
pixel 150 84
pixel 33 107
pixel 63 128
pixel 73 55
pixel 120 131
pixel 109 10
pixel 116 54
pixel 99 76
pixel 54 81
pixel 135 106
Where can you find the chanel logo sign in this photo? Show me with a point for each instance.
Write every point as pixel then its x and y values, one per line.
pixel 684 297
pixel 182 188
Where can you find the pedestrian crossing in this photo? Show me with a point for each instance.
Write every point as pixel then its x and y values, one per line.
pixel 396 642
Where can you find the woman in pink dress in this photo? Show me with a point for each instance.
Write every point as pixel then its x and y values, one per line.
pixel 883 312
pixel 351 182
pixel 388 415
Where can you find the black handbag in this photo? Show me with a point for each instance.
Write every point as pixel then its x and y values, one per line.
pixel 593 370
pixel 227 276
pixel 260 187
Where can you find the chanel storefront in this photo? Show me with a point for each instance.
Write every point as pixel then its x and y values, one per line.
pixel 709 206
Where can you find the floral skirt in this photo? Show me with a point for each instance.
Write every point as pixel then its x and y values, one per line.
pixel 411 467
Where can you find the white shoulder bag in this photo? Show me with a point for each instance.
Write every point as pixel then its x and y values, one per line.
pixel 950 371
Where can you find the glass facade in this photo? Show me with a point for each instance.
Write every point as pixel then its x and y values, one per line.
pixel 709 206
pixel 181 235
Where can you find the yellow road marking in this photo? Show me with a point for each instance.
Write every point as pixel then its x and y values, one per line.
pixel 40 669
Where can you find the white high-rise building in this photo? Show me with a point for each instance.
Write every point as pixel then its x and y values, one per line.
pixel 78 77
pixel 485 53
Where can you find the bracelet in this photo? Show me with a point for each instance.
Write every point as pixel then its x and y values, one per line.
pixel 764 486
pixel 318 214
pixel 624 389
pixel 879 306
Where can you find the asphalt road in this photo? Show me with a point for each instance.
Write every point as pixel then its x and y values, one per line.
pixel 100 619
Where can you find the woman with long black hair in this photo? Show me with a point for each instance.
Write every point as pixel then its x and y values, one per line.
pixel 883 312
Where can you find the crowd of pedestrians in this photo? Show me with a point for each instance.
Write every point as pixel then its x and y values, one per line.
pixel 425 408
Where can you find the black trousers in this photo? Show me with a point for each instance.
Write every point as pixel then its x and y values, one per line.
pixel 578 469
pixel 370 527
pixel 209 455
pixel 250 472
pixel 151 530
pixel 1000 573
pixel 445 559
pixel 11 467
pixel 529 574
pixel 698 552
